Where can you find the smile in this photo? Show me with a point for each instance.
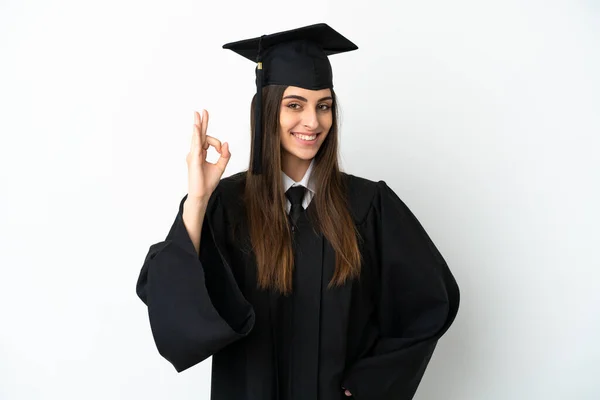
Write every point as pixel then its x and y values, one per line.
pixel 306 137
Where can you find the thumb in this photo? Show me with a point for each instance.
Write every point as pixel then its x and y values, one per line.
pixel 224 158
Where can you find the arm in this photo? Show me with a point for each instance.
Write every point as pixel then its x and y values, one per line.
pixel 417 302
pixel 190 321
pixel 193 217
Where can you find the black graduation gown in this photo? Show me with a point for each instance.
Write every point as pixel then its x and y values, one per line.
pixel 374 336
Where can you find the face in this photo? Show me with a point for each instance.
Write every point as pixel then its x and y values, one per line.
pixel 304 121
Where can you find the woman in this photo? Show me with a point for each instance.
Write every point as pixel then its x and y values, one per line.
pixel 301 281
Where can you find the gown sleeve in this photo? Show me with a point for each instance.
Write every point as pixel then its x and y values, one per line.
pixel 417 301
pixel 194 304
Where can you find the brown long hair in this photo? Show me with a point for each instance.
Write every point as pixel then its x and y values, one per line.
pixel 264 197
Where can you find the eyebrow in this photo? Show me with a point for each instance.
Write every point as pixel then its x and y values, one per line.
pixel 293 96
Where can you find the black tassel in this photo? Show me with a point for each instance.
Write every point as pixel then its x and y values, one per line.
pixel 258 121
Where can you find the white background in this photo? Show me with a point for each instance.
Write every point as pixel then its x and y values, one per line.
pixel 482 116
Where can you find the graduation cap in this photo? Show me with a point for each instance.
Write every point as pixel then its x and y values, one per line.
pixel 297 57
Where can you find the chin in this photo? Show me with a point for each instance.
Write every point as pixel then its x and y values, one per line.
pixel 304 155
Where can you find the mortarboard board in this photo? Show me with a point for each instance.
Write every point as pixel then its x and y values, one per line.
pixel 297 57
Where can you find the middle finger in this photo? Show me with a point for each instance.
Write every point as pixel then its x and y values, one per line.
pixel 203 129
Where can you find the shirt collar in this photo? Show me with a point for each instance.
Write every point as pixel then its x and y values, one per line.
pixel 306 181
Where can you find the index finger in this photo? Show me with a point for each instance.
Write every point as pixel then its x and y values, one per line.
pixel 195 143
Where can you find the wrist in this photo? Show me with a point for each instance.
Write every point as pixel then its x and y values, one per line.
pixel 196 204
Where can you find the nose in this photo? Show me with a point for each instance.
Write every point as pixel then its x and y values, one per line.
pixel 310 119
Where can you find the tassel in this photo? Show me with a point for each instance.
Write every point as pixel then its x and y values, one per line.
pixel 258 121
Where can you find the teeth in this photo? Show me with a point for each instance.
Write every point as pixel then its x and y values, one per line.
pixel 304 137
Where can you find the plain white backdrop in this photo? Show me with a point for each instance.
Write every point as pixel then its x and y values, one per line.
pixel 482 116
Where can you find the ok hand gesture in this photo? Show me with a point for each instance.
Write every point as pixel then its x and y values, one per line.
pixel 203 177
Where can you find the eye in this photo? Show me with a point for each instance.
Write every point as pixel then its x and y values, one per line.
pixel 324 107
pixel 294 106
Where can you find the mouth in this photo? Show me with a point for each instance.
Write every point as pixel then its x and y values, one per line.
pixel 306 138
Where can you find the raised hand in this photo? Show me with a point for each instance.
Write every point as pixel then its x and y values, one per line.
pixel 203 177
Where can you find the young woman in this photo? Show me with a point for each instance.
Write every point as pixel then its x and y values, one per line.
pixel 302 282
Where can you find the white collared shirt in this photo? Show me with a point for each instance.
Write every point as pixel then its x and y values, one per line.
pixel 306 182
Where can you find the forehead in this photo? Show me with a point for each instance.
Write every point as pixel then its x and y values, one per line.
pixel 307 93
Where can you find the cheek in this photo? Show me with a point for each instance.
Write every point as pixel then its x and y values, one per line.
pixel 287 121
pixel 326 120
pixel 283 128
pixel 283 119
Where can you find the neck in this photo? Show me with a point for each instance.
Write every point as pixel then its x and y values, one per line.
pixel 295 167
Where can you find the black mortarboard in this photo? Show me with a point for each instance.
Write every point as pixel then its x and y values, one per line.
pixel 297 57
